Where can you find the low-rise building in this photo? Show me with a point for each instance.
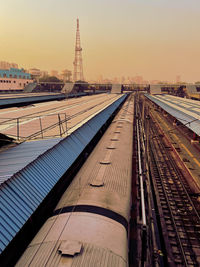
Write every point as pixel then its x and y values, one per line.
pixel 14 79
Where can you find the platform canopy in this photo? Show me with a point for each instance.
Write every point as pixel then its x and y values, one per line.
pixel 187 111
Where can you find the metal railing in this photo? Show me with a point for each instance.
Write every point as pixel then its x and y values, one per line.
pixel 13 127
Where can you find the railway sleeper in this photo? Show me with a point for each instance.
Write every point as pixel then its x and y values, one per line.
pixel 162 198
pixel 176 251
pixel 166 213
pixel 170 227
pixel 178 261
pixel 172 202
pixel 172 234
pixel 173 242
pixel 164 206
pixel 176 193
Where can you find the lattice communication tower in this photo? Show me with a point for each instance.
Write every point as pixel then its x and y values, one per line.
pixel 78 63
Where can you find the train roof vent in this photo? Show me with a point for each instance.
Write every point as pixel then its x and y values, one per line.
pixel 120 121
pixel 105 162
pixel 97 183
pixel 70 247
pixel 114 139
pixel 111 146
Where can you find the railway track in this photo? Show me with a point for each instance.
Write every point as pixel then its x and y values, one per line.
pixel 178 209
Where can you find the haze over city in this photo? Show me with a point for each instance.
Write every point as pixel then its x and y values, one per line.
pixel 157 39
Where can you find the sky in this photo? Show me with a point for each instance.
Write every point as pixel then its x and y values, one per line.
pixel 157 39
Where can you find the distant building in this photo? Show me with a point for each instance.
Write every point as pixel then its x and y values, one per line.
pixel 44 73
pixel 66 75
pixel 6 66
pixel 115 80
pixel 100 79
pixel 154 82
pixel 123 80
pixel 145 82
pixel 35 73
pixel 106 80
pixel 14 79
pixel 137 79
pixel 55 74
pixel 178 79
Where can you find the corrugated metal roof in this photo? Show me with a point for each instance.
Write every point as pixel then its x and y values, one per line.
pixel 91 255
pixel 184 110
pixel 191 88
pixel 35 98
pixel 188 104
pixel 16 158
pixel 21 100
pixel 26 189
pixel 43 116
pixel 155 89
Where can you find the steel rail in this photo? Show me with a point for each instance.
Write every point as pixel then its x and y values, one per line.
pixel 141 178
pixel 172 169
pixel 171 213
pixel 180 180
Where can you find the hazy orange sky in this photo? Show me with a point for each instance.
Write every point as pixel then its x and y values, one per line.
pixel 158 39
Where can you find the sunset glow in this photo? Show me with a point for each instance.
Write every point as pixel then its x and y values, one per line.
pixel 157 39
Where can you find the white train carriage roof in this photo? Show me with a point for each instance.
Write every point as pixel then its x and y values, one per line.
pixel 104 180
pixel 186 111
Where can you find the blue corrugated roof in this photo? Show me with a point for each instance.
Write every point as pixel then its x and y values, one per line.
pixel 16 158
pixel 26 189
pixel 184 110
pixel 30 99
pixel 33 99
pixel 187 104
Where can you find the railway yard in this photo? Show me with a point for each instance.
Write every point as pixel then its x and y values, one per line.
pixel 174 178
pixel 101 180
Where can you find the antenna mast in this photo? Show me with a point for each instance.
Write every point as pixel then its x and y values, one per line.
pixel 78 64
